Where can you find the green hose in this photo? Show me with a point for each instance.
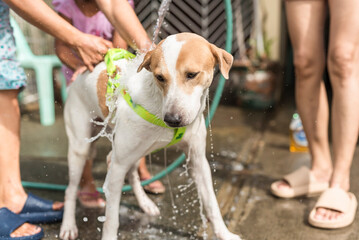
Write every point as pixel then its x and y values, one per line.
pixel 180 159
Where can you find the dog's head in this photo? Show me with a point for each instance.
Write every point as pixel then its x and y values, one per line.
pixel 182 66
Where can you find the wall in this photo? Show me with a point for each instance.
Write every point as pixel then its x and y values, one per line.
pixel 273 24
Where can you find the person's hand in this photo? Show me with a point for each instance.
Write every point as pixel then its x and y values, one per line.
pixel 78 71
pixel 91 49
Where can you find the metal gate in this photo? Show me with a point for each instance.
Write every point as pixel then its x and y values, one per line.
pixel 204 17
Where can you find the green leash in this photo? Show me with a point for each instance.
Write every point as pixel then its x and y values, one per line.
pixel 180 159
pixel 115 54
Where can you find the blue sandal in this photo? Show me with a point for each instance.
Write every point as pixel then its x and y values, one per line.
pixel 9 222
pixel 38 210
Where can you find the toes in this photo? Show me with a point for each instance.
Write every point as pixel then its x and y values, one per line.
pixel 57 205
pixel 283 185
pixel 25 230
pixel 327 214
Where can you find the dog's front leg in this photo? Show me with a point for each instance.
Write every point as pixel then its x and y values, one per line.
pixel 146 204
pixel 77 158
pixel 201 174
pixel 113 189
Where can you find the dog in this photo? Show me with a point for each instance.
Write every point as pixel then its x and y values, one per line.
pixel 171 82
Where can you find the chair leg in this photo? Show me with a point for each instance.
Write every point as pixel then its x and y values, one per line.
pixel 45 88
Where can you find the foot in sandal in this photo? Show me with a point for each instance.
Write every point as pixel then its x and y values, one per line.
pixel 334 209
pixel 14 227
pixel 91 199
pixel 155 187
pixel 88 196
pixel 299 183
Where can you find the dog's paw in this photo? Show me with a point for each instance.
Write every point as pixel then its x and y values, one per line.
pixel 68 232
pixel 150 208
pixel 227 235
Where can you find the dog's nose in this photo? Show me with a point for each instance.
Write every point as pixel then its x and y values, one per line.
pixel 173 120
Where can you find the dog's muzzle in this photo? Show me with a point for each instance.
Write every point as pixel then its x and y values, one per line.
pixel 173 120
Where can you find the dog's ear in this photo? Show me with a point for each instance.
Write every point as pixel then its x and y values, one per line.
pixel 224 60
pixel 146 62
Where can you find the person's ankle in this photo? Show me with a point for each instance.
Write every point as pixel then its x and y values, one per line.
pixel 88 187
pixel 144 173
pixel 322 174
pixel 13 200
pixel 343 184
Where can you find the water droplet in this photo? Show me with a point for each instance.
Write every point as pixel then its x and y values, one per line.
pixel 101 218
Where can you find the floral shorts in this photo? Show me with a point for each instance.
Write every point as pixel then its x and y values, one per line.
pixel 12 76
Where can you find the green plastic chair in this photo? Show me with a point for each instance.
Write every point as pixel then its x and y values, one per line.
pixel 43 66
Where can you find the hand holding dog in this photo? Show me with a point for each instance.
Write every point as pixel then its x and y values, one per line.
pixel 91 49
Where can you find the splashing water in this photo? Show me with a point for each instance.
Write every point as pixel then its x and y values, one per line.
pixel 164 7
pixel 111 101
pixel 203 217
pixel 128 71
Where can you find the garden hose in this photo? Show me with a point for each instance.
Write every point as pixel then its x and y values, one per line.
pixel 182 157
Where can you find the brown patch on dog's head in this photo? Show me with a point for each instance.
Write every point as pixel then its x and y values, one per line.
pixel 224 60
pixel 200 46
pixel 197 60
pixel 101 92
pixel 155 63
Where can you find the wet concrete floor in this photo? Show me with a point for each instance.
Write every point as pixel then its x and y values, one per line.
pixel 250 151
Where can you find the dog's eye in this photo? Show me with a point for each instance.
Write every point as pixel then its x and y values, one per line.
pixel 160 78
pixel 191 75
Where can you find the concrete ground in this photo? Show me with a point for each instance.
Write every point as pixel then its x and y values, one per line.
pixel 250 151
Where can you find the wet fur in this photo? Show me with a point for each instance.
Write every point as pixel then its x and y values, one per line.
pixel 177 97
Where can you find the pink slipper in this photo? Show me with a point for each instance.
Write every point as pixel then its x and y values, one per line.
pixel 302 182
pixel 338 200
pixel 91 199
pixel 155 187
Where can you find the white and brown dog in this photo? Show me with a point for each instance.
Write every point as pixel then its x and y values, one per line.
pixel 171 82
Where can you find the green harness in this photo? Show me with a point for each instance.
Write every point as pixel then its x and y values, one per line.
pixel 115 54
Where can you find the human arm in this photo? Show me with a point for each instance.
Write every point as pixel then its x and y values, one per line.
pixel 118 41
pixel 66 55
pixel 37 12
pixel 125 21
pixel 68 58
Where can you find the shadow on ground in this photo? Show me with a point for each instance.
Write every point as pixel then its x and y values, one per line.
pixel 250 151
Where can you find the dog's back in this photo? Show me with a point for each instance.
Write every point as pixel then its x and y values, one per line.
pixel 174 88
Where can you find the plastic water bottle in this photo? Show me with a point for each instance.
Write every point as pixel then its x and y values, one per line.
pixel 298 140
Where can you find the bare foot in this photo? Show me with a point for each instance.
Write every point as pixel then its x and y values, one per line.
pixel 25 230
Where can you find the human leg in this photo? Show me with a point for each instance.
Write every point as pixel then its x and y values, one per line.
pixel 343 58
pixel 12 194
pixel 156 187
pixel 344 74
pixel 88 195
pixel 306 28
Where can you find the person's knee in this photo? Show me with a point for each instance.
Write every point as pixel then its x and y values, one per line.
pixel 305 64
pixel 341 63
pixel 9 94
